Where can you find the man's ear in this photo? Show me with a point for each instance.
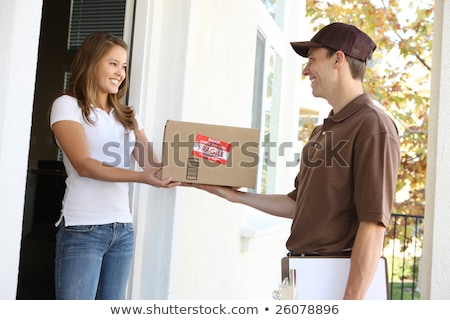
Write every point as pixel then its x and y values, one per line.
pixel 339 58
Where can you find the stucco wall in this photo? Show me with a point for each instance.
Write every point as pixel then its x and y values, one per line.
pixel 18 65
pixel 199 64
pixel 435 260
pixel 207 242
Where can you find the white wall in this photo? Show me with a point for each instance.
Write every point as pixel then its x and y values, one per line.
pixel 194 61
pixel 157 91
pixel 18 65
pixel 435 259
pixel 219 86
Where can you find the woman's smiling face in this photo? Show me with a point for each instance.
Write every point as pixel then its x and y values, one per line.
pixel 111 71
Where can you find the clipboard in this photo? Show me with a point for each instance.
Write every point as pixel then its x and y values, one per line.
pixel 325 278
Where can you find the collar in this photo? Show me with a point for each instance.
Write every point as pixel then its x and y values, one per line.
pixel 98 108
pixel 350 109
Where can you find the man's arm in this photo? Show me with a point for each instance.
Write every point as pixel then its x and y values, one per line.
pixel 366 254
pixel 279 205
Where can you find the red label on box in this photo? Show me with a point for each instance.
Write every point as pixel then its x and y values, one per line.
pixel 211 149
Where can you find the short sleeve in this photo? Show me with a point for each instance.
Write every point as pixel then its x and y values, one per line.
pixel 375 175
pixel 293 193
pixel 65 108
pixel 140 126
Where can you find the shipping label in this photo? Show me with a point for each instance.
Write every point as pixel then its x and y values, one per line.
pixel 211 149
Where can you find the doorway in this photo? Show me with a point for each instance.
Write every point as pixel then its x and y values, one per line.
pixel 64 24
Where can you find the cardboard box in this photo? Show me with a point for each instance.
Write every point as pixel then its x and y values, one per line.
pixel 210 154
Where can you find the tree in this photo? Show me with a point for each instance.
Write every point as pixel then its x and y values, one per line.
pixel 399 77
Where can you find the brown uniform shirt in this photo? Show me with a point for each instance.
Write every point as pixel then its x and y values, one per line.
pixel 348 173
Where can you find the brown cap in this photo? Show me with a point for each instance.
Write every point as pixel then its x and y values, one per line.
pixel 342 37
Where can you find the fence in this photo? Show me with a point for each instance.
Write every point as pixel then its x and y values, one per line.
pixel 403 251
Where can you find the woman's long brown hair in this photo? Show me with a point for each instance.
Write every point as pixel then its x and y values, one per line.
pixel 83 85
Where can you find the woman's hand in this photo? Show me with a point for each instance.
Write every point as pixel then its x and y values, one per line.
pixel 152 176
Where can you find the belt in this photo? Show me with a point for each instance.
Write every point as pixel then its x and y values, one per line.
pixel 342 253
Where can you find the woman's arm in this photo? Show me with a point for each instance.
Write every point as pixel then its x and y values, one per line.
pixel 147 159
pixel 71 137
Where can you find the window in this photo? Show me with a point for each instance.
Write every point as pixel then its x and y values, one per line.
pixel 308 118
pixel 276 10
pixel 88 16
pixel 266 108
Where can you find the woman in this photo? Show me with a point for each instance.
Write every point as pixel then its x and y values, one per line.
pixel 97 135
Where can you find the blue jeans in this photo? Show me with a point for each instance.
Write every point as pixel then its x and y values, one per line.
pixel 93 261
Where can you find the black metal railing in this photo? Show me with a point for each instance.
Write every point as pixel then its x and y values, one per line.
pixel 403 251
